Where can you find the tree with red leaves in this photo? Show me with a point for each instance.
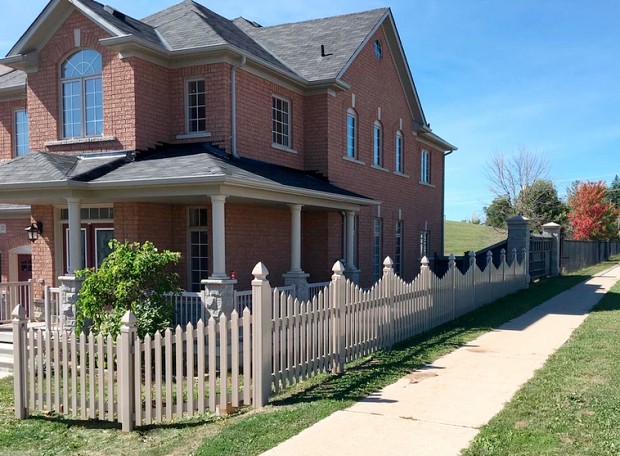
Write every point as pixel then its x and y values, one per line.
pixel 592 216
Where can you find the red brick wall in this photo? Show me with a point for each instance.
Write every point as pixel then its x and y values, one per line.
pixel 15 237
pixel 376 84
pixel 43 250
pixel 139 222
pixel 254 126
pixel 217 87
pixel 44 90
pixel 316 142
pixel 7 127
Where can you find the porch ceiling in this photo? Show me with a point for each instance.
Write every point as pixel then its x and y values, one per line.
pixel 178 174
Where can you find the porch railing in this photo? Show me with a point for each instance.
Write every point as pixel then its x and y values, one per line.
pixel 13 294
pixel 315 288
pixel 52 307
pixel 188 307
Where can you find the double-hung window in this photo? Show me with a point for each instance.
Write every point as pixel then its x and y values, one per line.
pixel 377 144
pixel 399 152
pixel 196 106
pixel 351 134
pixel 22 143
pixel 425 237
pixel 425 168
pixel 198 247
pixel 281 121
pixel 398 253
pixel 82 95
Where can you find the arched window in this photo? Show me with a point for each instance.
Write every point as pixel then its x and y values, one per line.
pixel 377 144
pixel 399 152
pixel 82 95
pixel 351 133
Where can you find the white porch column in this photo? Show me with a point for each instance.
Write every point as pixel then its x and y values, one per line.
pixel 296 276
pixel 218 218
pixel 219 292
pixel 75 235
pixel 351 271
pixel 295 238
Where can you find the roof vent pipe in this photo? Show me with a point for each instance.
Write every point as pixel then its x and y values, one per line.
pixel 323 54
pixel 233 102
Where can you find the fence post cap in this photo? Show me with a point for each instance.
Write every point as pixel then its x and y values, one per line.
pixel 129 319
pixel 452 257
pixel 425 261
pixel 388 263
pixel 338 268
pixel 19 312
pixel 260 271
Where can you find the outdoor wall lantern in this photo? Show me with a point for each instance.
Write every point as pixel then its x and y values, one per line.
pixel 34 231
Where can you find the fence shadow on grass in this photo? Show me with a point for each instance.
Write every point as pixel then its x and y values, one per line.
pixel 362 378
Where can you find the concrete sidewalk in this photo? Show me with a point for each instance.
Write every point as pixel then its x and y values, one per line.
pixel 437 411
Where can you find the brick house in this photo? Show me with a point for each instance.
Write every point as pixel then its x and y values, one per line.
pixel 295 145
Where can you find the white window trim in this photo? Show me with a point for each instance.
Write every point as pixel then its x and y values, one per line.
pixel 15 112
pixel 351 113
pixel 191 229
pixel 82 81
pixel 377 146
pixel 97 230
pixel 425 167
pixel 399 163
pixel 289 126
pixel 200 133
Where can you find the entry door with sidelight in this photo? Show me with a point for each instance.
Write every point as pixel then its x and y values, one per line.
pixel 94 244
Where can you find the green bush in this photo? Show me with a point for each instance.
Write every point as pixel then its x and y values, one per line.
pixel 133 277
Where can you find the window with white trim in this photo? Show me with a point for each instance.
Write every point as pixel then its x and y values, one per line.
pixel 22 142
pixel 198 248
pixel 351 133
pixel 425 239
pixel 377 249
pixel 399 152
pixel 281 121
pixel 196 106
pixel 82 95
pixel 425 167
pixel 398 253
pixel 377 144
pixel 97 232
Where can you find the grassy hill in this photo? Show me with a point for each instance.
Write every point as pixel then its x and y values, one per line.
pixel 461 237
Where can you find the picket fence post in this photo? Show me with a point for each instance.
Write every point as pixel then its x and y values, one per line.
pixel 19 368
pixel 502 255
pixel 514 268
pixel 388 294
pixel 261 337
pixel 489 271
pixel 126 367
pixel 425 275
pixel 451 272
pixel 337 298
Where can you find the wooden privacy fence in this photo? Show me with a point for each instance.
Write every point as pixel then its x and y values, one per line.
pixel 241 359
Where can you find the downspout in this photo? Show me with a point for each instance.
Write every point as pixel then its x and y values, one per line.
pixel 233 94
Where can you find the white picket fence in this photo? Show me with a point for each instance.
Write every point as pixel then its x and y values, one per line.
pixel 242 360
pixel 13 294
pixel 182 373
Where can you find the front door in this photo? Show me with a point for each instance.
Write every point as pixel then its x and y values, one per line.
pixel 24 273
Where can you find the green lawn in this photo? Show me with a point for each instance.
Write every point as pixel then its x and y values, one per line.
pixel 251 432
pixel 572 405
pixel 460 237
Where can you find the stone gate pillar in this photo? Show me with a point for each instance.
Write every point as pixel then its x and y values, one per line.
pixel 518 234
pixel 554 230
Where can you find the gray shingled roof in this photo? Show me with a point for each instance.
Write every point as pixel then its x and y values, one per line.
pixel 42 167
pixel 299 44
pixel 178 162
pixel 124 23
pixel 188 25
pixel 12 79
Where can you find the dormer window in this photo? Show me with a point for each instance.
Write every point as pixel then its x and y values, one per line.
pixel 82 95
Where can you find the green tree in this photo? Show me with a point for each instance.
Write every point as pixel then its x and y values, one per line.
pixel 541 204
pixel 613 191
pixel 133 277
pixel 498 212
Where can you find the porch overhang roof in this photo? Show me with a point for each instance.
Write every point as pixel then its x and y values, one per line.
pixel 170 173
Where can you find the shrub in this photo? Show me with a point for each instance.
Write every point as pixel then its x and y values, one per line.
pixel 133 277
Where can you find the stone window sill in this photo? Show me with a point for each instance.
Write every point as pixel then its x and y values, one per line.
pixel 198 134
pixel 397 173
pixel 89 140
pixel 283 148
pixel 353 160
pixel 426 184
pixel 380 168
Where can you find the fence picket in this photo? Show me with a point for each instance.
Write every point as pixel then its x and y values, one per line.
pixel 247 356
pixel 212 344
pixel 200 348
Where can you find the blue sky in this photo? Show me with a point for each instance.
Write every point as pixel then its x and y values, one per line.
pixel 492 75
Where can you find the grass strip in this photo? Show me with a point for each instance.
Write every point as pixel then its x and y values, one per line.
pixel 572 405
pixel 252 432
